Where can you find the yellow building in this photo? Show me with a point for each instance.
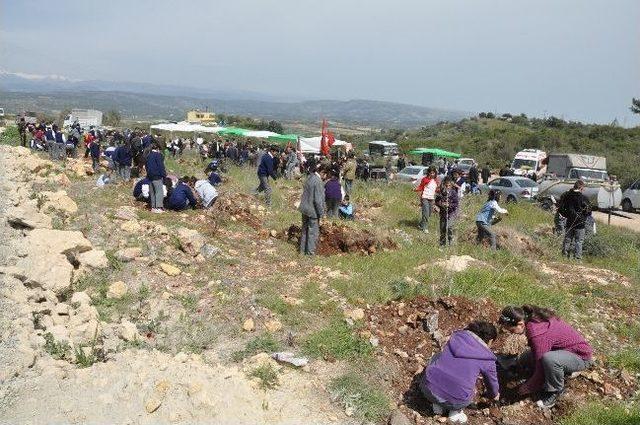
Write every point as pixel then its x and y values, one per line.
pixel 200 116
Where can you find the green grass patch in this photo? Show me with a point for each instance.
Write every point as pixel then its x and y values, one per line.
pixel 358 396
pixel 337 341
pixel 503 287
pixel 604 414
pixel 264 343
pixel 628 359
pixel 267 376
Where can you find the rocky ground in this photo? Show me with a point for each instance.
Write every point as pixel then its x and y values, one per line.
pixel 64 363
pixel 111 314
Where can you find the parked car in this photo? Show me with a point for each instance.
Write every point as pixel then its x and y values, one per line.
pixel 514 188
pixel 631 197
pixel 465 164
pixel 412 174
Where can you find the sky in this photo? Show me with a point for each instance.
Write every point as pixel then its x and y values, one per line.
pixel 576 59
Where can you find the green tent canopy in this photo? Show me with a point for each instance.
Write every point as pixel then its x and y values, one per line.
pixel 435 152
pixel 233 131
pixel 284 138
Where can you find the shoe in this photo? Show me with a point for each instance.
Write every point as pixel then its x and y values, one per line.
pixel 549 399
pixel 457 417
pixel 437 409
pixel 425 231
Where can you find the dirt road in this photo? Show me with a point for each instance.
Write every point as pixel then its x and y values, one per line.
pixel 631 223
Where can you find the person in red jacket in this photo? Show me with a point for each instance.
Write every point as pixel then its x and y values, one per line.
pixel 556 350
pixel 427 192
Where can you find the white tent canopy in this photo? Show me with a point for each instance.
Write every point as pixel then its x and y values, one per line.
pixel 312 144
pixel 186 127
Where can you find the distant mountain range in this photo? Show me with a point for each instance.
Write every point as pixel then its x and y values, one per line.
pixel 50 93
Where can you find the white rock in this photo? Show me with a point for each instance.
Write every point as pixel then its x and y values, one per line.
pixel 128 330
pixel 117 290
pixel 80 298
pixel 128 254
pixel 59 201
pixel 96 258
pixel 191 241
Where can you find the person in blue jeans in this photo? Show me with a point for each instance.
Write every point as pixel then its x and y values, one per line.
pixel 266 169
pixel 485 218
pixel 575 207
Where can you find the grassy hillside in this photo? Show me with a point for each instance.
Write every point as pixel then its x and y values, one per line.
pixel 497 140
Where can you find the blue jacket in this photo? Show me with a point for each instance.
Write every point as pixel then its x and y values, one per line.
pixel 452 374
pixel 49 135
pixel 179 197
pixel 147 140
pixel 214 178
pixel 59 138
pixel 137 189
pixel 155 166
pixel 266 169
pixel 122 155
pixel 95 150
pixel 485 216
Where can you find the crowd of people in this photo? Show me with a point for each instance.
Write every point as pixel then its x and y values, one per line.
pixel 449 380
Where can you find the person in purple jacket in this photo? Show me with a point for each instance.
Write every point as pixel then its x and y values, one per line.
pixel 333 194
pixel 449 381
pixel 556 350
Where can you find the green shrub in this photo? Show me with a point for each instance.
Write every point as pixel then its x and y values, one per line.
pixel 57 350
pixel 267 376
pixel 336 341
pixel 360 397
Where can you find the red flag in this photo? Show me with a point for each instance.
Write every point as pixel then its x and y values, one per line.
pixel 324 146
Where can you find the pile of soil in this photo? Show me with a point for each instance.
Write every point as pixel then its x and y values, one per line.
pixel 508 239
pixel 237 208
pixel 338 238
pixel 408 334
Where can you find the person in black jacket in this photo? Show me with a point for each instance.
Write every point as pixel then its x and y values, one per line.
pixel 266 169
pixel 486 173
pixel 575 207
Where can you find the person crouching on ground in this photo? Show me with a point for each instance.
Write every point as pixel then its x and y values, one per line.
pixel 141 190
pixel 556 350
pixel 207 192
pixel 156 173
pixel 449 381
pixel 312 209
pixel 182 196
pixel 485 218
pixel 447 202
pixel 346 211
pixel 427 192
pixel 333 194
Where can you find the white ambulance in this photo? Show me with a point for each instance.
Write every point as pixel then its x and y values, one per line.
pixel 529 162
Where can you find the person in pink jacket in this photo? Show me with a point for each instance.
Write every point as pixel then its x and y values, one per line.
pixel 556 350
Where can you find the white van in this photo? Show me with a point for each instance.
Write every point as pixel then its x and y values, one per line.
pixel 528 162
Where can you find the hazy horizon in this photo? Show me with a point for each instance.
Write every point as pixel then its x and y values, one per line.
pixel 570 59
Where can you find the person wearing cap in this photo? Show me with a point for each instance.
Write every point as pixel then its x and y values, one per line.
pixel 266 169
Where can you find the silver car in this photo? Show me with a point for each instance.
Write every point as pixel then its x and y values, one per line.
pixel 514 188
pixel 412 174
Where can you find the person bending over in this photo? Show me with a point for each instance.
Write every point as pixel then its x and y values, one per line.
pixel 556 350
pixel 449 381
